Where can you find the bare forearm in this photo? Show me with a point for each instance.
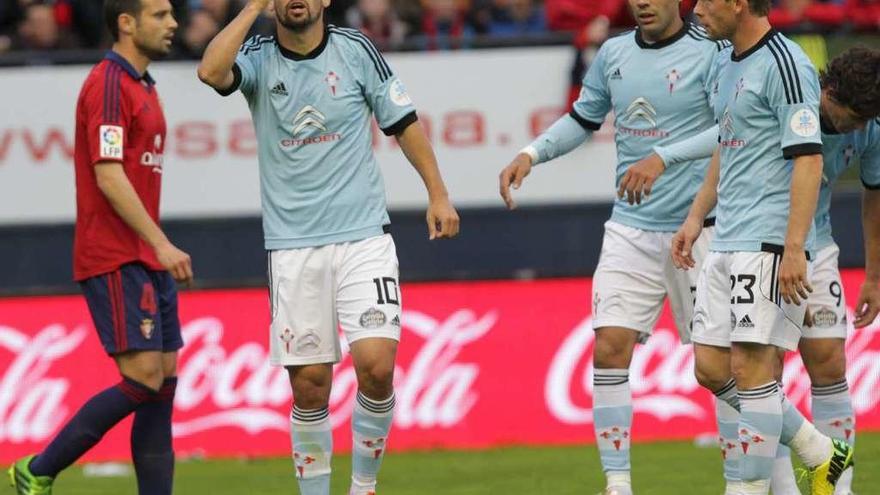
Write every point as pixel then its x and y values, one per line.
pixel 871 230
pixel 707 196
pixel 127 204
pixel 215 68
pixel 805 181
pixel 418 151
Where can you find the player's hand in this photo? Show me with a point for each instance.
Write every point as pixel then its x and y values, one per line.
pixel 868 304
pixel 639 179
pixel 443 221
pixel 261 4
pixel 598 30
pixel 683 243
pixel 513 175
pixel 793 284
pixel 178 263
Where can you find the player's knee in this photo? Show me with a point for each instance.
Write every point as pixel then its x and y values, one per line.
pixel 711 378
pixel 149 376
pixel 613 349
pixel 376 381
pixel 144 368
pixel 826 365
pixel 311 386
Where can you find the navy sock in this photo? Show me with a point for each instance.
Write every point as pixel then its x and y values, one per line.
pixel 151 448
pixel 89 424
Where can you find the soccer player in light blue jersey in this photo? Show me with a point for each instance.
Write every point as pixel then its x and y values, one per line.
pixel 765 179
pixel 313 90
pixel 848 111
pixel 657 81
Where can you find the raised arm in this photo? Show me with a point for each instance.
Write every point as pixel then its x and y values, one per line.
pixel 216 67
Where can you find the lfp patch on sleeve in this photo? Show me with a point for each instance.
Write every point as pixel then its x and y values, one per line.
pixel 110 138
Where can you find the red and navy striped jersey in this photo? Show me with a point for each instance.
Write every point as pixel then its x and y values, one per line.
pixel 118 119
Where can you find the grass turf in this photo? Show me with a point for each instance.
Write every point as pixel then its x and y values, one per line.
pixel 660 469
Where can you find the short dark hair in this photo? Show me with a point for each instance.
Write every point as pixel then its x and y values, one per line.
pixel 853 80
pixel 760 7
pixel 115 8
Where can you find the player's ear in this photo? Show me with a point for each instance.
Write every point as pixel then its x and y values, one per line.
pixel 127 24
pixel 326 3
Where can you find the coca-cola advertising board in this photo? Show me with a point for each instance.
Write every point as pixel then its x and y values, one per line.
pixel 481 364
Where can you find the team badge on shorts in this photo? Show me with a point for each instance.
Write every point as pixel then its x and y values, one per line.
pixel 147 327
pixel 824 318
pixel 287 337
pixel 373 318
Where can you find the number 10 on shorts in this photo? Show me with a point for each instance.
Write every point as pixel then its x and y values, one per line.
pixel 386 290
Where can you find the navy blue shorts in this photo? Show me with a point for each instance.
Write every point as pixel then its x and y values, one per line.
pixel 134 309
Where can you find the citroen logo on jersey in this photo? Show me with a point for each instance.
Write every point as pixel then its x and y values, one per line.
pixel 641 109
pixel 309 117
pixel 310 127
pixel 727 131
pixel 726 123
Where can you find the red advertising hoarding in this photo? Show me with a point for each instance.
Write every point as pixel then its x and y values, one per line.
pixel 481 364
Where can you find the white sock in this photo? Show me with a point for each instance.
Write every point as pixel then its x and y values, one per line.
pixel 811 445
pixel 733 487
pixel 783 481
pixel 618 479
pixel 757 487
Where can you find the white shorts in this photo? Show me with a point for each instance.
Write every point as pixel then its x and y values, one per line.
pixel 635 275
pixel 315 291
pixel 752 310
pixel 827 303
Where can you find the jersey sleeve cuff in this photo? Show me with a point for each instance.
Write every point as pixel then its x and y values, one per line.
pixel 401 125
pixel 870 187
pixel 802 150
pixel 236 82
pixel 586 124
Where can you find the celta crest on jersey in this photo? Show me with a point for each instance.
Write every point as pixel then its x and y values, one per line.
pixel 673 77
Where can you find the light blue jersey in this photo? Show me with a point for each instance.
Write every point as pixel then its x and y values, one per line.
pixel 319 179
pixel 659 94
pixel 840 151
pixel 767 108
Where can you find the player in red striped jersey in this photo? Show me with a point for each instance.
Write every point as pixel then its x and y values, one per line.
pixel 123 261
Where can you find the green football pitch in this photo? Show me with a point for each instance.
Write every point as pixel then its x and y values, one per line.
pixel 660 469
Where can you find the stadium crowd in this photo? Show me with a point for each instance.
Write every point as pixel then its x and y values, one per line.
pixel 427 24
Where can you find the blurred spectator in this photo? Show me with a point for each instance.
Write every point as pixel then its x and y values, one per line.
pixel 378 20
pixel 864 14
pixel 517 17
pixel 787 14
pixel 445 23
pixel 201 27
pixel 222 11
pixel 39 30
pixel 337 13
pixel 573 15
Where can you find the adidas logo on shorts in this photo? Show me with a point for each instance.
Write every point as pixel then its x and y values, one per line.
pixel 746 322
